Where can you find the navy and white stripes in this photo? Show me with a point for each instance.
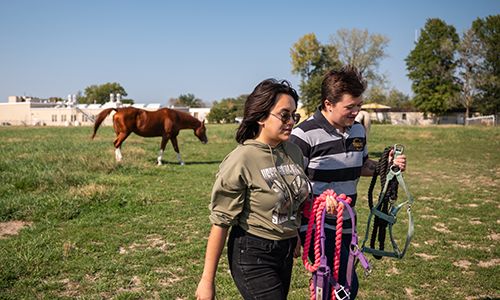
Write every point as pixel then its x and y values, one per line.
pixel 332 160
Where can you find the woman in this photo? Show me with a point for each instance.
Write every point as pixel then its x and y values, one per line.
pixel 258 192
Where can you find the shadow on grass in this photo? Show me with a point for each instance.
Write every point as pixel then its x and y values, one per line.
pixel 378 155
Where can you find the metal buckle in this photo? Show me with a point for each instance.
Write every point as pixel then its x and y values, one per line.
pixel 342 294
pixel 368 271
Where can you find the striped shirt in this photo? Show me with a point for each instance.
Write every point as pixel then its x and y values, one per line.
pixel 332 160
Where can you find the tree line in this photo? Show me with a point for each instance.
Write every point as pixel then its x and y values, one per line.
pixel 447 71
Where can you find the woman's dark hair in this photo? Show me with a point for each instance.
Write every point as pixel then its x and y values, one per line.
pixel 259 104
pixel 336 83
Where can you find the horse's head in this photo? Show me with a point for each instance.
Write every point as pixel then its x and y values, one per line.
pixel 201 133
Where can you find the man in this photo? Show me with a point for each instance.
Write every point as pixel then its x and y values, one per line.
pixel 335 152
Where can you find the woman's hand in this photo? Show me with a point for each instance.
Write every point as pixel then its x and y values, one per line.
pixel 205 290
pixel 332 204
pixel 216 241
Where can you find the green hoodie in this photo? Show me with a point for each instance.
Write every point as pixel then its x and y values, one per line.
pixel 250 193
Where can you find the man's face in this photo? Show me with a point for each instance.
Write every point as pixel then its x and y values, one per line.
pixel 343 113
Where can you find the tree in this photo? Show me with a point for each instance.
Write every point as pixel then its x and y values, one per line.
pixel 127 101
pixel 488 32
pixel 382 95
pixel 398 99
pixel 311 60
pixel 363 50
pixel 79 97
pixel 100 94
pixel 227 109
pixel 188 100
pixel 431 66
pixel 471 76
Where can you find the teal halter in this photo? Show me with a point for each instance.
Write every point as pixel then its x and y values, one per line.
pixel 393 210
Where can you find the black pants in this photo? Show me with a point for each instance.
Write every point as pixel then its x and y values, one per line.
pixel 261 268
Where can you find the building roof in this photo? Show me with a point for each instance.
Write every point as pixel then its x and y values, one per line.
pixel 374 105
pixel 154 105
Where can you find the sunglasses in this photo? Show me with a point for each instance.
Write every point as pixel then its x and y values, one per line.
pixel 286 116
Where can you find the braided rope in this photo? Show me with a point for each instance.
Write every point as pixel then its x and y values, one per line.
pixel 380 225
pixel 317 210
pixel 315 215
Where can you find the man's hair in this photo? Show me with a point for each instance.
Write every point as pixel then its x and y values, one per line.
pixel 336 83
pixel 259 104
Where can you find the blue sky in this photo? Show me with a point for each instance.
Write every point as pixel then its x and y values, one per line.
pixel 158 50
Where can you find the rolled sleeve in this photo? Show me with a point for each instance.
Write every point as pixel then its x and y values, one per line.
pixel 228 199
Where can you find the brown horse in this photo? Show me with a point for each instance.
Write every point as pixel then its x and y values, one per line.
pixel 164 122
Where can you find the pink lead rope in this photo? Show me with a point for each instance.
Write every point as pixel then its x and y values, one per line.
pixel 322 277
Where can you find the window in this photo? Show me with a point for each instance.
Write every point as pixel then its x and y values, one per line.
pixel 54 118
pixel 73 118
pixel 84 118
pixel 63 118
pixel 404 116
pixel 426 117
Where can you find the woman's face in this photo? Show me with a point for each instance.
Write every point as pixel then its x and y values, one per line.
pixel 272 129
pixel 343 113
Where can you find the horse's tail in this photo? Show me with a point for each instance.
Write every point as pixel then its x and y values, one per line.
pixel 100 117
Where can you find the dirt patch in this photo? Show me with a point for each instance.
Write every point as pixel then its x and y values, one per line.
pixel 491 263
pixel 153 241
pixel 15 140
pixel 409 293
pixel 441 227
pixel 462 264
pixel 426 256
pixel 428 217
pixel 12 227
pixel 494 236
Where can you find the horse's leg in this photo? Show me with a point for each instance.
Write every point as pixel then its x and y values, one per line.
pixel 176 149
pixel 118 143
pixel 160 155
pixel 118 154
pixel 164 141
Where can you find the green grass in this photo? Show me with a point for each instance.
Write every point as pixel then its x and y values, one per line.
pixel 135 230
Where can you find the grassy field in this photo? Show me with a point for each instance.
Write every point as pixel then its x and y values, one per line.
pixel 134 230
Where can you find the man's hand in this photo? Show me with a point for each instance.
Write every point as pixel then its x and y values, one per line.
pixel 332 204
pixel 400 161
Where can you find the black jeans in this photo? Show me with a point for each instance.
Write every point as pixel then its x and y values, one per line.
pixel 330 254
pixel 261 268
